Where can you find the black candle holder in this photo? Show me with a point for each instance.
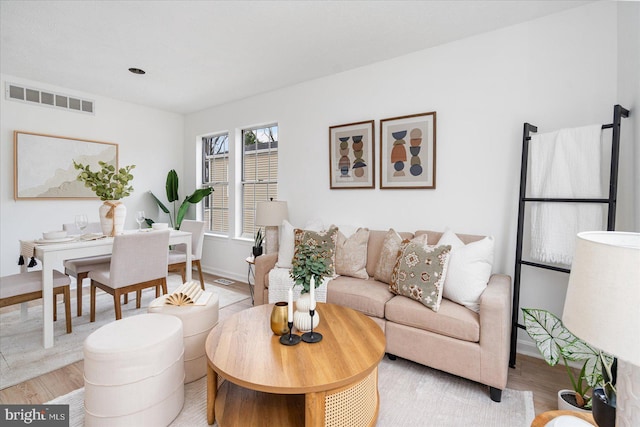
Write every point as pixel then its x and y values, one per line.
pixel 312 337
pixel 290 339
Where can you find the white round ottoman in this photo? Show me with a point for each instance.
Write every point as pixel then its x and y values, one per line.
pixel 197 322
pixel 134 372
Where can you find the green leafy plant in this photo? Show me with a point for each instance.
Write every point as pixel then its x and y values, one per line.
pixel 173 197
pixel 108 183
pixel 555 342
pixel 258 238
pixel 609 377
pixel 308 262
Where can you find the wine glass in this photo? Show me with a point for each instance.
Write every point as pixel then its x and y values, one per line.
pixel 140 219
pixel 81 222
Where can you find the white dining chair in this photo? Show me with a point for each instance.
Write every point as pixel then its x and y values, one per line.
pixel 79 268
pixel 178 256
pixel 27 286
pixel 138 261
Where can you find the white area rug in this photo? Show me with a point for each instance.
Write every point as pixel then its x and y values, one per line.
pixel 22 356
pixel 410 395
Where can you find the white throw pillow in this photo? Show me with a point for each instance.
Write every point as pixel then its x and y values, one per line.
pixel 287 244
pixel 469 269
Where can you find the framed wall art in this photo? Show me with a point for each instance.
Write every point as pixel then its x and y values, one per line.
pixel 351 157
pixel 408 151
pixel 43 165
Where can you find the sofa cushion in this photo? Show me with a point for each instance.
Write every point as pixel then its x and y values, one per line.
pixel 452 320
pixel 366 296
pixel 351 254
pixel 388 254
pixel 323 241
pixel 287 241
pixel 469 269
pixel 374 248
pixel 420 272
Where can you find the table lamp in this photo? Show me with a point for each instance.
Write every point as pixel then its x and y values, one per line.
pixel 602 307
pixel 270 216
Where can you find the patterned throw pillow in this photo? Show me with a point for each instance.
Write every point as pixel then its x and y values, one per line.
pixel 420 272
pixel 351 254
pixel 389 254
pixel 325 241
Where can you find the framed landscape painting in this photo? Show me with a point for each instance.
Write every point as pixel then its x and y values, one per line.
pixel 351 156
pixel 43 165
pixel 408 151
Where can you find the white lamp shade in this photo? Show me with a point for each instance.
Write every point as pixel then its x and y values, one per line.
pixel 602 305
pixel 271 213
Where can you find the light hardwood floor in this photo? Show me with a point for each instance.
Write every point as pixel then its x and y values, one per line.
pixel 530 373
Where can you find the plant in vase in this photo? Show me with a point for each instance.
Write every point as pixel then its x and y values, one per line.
pixel 555 342
pixel 257 243
pixel 172 196
pixel 310 266
pixel 110 185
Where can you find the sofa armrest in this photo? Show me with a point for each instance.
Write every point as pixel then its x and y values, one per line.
pixel 495 330
pixel 264 264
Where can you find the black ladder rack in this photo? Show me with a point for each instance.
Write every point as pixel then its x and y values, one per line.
pixel 618 113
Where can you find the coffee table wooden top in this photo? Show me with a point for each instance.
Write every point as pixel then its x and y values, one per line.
pixel 244 350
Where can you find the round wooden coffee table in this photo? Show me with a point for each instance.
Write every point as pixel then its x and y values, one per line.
pixel 333 382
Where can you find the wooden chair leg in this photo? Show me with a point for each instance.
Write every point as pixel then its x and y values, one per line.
pixel 55 307
pixel 197 263
pixel 116 303
pixel 163 282
pixel 79 279
pixel 183 274
pixel 138 298
pixel 126 298
pixel 92 310
pixel 67 308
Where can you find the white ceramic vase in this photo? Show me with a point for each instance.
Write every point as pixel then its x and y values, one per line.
pixel 564 405
pixel 301 317
pixel 112 216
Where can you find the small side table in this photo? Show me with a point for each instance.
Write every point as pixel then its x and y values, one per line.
pixel 542 419
pixel 251 261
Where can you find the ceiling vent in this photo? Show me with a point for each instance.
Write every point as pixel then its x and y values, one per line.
pixel 46 98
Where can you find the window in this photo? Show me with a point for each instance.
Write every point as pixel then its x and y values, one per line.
pixel 215 173
pixel 259 172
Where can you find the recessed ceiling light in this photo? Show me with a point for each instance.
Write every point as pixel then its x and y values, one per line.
pixel 137 71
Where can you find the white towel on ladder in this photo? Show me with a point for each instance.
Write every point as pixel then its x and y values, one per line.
pixel 564 164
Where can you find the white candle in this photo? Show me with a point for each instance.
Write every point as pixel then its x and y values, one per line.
pixel 312 292
pixel 290 307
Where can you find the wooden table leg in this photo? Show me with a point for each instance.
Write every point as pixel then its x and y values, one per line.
pixel 314 409
pixel 212 391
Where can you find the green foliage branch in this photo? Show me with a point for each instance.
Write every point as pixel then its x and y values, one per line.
pixel 308 261
pixel 107 183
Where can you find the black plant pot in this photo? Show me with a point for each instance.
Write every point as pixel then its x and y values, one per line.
pixel 257 251
pixel 604 414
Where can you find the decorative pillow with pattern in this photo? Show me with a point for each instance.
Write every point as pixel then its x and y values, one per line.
pixel 420 273
pixel 389 254
pixel 351 254
pixel 325 241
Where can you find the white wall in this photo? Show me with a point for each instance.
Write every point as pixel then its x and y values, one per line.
pixel 558 71
pixel 150 139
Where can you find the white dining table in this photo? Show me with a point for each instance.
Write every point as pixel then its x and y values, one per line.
pixel 52 255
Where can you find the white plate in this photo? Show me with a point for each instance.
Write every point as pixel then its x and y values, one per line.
pixel 62 240
pixel 567 421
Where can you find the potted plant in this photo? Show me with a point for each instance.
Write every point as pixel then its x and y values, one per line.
pixel 110 185
pixel 309 265
pixel 604 397
pixel 555 342
pixel 172 196
pixel 257 243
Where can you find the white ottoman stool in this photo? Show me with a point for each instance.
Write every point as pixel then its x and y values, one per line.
pixel 197 322
pixel 134 372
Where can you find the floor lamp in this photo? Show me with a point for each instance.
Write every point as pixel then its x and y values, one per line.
pixel 270 216
pixel 602 307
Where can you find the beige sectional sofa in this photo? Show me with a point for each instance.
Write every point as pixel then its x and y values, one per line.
pixel 455 339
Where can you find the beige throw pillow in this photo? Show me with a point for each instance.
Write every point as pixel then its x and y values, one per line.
pixel 420 272
pixel 351 254
pixel 389 254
